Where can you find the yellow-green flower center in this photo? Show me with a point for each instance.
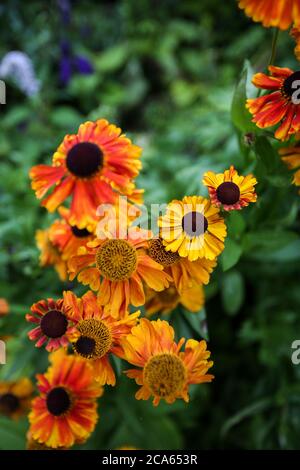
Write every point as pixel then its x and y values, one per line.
pixel 95 339
pixel 116 259
pixel 160 255
pixel 165 375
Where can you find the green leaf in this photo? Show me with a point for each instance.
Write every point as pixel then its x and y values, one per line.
pixel 197 321
pixel 253 409
pixel 12 434
pixel 240 116
pixel 231 254
pixel 66 116
pixel 113 58
pixel 233 292
pixel 268 240
pixel 266 154
pixel 236 224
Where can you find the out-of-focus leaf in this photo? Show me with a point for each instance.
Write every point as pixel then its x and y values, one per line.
pixel 240 116
pixel 231 254
pixel 232 291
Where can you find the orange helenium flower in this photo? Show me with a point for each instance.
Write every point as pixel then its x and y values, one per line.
pixel 276 107
pixel 15 398
pixel 67 238
pixel 279 13
pixel 98 334
pixel 164 372
pixel 182 271
pixel 167 300
pixel 116 269
pixel 229 189
pixel 4 307
pixel 52 322
pixel 65 413
pixel 94 166
pixel 50 254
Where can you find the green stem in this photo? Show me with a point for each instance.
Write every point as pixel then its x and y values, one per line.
pixel 274 46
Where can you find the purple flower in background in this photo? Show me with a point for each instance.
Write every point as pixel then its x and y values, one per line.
pixel 70 63
pixel 65 10
pixel 18 66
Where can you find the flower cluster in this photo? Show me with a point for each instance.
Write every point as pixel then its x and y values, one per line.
pixel 124 270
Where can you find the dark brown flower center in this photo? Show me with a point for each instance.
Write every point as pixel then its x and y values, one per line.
pixel 228 193
pixel 58 401
pixel 85 346
pixel 290 85
pixel 194 223
pixel 9 403
pixel 80 232
pixel 54 324
pixel 84 159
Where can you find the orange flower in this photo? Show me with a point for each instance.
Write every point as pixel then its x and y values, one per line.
pixel 279 13
pixel 164 372
pixel 98 334
pixel 65 413
pixel 279 106
pixel 295 33
pixel 291 157
pixel 4 307
pixel 15 398
pixel 67 238
pixel 94 166
pixel 52 322
pixel 182 271
pixel 50 255
pixel 116 269
pixel 229 189
pixel 167 300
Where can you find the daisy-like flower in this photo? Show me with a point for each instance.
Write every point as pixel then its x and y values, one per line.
pixel 291 157
pixel 279 13
pixel 4 307
pixel 279 106
pixel 116 269
pixel 94 166
pixel 229 189
pixel 68 238
pixel 65 413
pixel 164 372
pixel 295 33
pixel 164 302
pixel 15 398
pixel 193 228
pixel 182 271
pixel 52 323
pixel 49 254
pixel 98 334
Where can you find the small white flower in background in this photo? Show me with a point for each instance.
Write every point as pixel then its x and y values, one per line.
pixel 18 66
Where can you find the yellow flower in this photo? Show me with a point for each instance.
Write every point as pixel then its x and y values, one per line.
pixel 229 189
pixel 164 302
pixel 117 269
pixel 50 255
pixel 291 157
pixel 15 397
pixel 193 228
pixel 183 272
pixel 164 372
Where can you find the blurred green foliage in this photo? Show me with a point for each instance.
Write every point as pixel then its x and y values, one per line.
pixel 165 71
